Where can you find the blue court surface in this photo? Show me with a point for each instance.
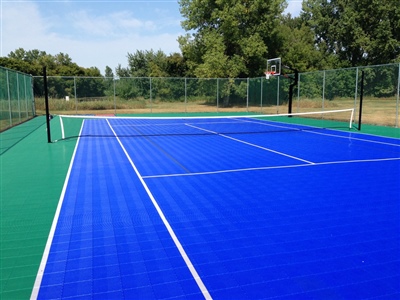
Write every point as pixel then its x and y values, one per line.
pixel 181 209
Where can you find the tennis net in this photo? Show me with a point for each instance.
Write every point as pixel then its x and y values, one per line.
pixel 72 126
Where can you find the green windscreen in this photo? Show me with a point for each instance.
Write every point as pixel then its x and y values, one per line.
pixel 16 98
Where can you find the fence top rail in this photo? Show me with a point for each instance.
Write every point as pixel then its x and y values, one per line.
pixel 8 69
pixel 203 78
pixel 117 78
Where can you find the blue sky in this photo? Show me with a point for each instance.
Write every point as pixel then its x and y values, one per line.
pixel 94 32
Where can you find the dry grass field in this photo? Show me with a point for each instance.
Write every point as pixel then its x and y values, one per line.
pixel 375 111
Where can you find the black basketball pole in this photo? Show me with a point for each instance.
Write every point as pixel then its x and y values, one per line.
pixel 46 101
pixel 292 86
pixel 361 100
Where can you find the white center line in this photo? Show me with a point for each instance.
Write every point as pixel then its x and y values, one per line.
pixel 250 144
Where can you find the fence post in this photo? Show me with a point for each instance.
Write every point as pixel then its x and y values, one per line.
pixel 115 99
pixel 26 98
pixel 33 98
pixel 76 97
pixel 361 100
pixel 217 94
pixel 277 95
pixel 9 97
pixel 298 94
pixel 247 100
pixel 151 95
pixel 356 92
pixel 397 100
pixel 19 100
pixel 185 95
pixel 261 96
pixel 323 92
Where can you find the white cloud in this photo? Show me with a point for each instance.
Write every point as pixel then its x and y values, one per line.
pixel 114 24
pixel 21 25
pixel 125 20
pixel 88 39
pixel 84 23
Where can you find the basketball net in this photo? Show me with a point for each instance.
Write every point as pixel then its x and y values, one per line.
pixel 268 74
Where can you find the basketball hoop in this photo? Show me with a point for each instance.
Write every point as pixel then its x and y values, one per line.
pixel 273 67
pixel 268 74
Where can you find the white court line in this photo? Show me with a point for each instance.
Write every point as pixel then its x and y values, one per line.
pixel 270 168
pixel 182 251
pixel 42 266
pixel 353 138
pixel 250 144
pixel 262 122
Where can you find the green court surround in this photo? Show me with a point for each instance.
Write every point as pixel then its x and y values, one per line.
pixel 32 174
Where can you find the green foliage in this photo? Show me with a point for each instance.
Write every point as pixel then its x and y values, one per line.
pixel 20 65
pixel 147 64
pixel 231 38
pixel 33 61
pixel 298 48
pixel 176 66
pixel 381 82
pixel 131 88
pixel 357 32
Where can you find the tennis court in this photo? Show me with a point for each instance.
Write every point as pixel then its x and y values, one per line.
pixel 225 208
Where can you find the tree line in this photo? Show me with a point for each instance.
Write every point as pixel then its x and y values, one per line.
pixel 233 39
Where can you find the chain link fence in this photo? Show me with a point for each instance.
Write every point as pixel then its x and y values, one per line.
pixel 316 91
pixel 16 98
pixel 335 89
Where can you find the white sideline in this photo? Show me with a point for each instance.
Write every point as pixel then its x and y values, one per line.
pixel 46 252
pixel 182 251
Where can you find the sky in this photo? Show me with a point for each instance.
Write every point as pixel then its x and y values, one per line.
pixel 94 33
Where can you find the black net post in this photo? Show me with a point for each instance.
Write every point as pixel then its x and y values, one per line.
pixel 46 101
pixel 291 87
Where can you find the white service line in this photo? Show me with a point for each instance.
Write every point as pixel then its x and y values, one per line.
pixel 46 252
pixel 182 251
pixel 273 167
pixel 250 144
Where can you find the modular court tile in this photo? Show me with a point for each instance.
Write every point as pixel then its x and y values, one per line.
pixel 301 248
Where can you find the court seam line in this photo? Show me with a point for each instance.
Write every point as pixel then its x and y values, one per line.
pixel 159 147
pixel 46 252
pixel 271 168
pixel 250 144
pixel 181 250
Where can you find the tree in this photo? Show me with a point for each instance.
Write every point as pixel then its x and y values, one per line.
pixel 20 65
pixel 147 64
pixel 176 66
pixel 32 62
pixel 231 38
pixel 121 72
pixel 62 59
pixel 358 32
pixel 108 72
pixel 298 49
